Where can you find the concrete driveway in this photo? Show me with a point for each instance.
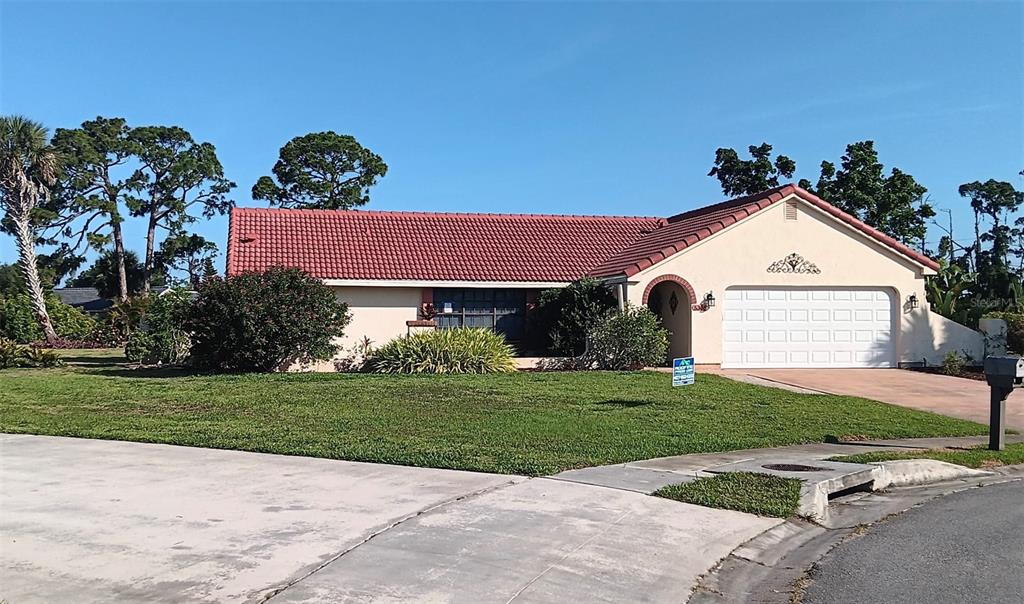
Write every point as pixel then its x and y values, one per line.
pixel 953 396
pixel 100 521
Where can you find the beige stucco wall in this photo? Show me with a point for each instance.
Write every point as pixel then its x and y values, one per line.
pixel 378 313
pixel 740 255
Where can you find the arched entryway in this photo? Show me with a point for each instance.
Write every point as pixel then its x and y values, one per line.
pixel 671 298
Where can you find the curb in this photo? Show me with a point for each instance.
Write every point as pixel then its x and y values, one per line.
pixel 879 475
pixel 771 567
pixel 907 472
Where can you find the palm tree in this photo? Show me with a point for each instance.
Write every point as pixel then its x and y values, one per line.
pixel 28 167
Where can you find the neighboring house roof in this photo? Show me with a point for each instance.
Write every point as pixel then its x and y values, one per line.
pixel 87 299
pixel 370 245
pixel 686 229
pixel 421 246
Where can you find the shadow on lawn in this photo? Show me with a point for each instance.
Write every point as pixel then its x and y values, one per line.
pixel 145 372
pixel 85 360
pixel 623 404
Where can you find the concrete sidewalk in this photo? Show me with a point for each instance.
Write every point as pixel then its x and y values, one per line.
pixel 650 475
pixel 102 521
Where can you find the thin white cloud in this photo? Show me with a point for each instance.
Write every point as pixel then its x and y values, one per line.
pixel 801 104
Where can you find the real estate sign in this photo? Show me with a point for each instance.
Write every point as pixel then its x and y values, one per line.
pixel 682 371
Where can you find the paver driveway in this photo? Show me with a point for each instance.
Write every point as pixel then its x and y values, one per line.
pixel 956 397
pixel 100 521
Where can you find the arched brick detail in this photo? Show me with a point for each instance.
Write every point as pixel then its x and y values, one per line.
pixel 674 279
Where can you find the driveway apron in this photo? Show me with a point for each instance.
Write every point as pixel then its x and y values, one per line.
pixel 947 395
pixel 100 521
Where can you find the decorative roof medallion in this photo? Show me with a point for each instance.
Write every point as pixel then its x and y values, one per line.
pixel 794 263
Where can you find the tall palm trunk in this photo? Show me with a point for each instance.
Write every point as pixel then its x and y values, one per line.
pixel 27 167
pixel 30 269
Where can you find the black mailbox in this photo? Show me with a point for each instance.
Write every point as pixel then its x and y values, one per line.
pixel 1003 374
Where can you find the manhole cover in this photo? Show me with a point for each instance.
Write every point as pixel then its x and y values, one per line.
pixel 792 467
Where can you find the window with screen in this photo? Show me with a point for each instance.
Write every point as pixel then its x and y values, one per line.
pixel 502 310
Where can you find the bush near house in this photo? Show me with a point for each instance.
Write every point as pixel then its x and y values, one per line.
pixel 632 339
pixel 264 321
pixel 18 322
pixel 1014 330
pixel 161 338
pixel 953 363
pixel 460 350
pixel 564 316
pixel 121 321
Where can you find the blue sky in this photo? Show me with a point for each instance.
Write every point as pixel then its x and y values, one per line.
pixel 584 108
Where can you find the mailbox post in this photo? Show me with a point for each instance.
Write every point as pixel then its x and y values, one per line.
pixel 1003 374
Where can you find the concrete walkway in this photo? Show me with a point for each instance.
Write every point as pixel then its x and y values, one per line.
pixel 100 521
pixel 952 396
pixel 650 475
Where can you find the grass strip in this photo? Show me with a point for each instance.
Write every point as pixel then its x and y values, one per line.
pixel 975 457
pixel 761 494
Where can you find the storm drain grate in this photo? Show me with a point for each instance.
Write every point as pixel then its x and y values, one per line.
pixel 792 467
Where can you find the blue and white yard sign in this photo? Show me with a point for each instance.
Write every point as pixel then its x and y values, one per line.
pixel 682 371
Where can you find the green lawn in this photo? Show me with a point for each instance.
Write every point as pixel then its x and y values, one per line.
pixel 529 423
pixel 761 494
pixel 975 457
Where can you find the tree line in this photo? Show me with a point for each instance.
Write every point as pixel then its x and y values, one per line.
pixel 74 192
pixel 981 272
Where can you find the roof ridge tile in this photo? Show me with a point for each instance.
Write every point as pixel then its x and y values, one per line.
pixel 457 246
pixel 419 213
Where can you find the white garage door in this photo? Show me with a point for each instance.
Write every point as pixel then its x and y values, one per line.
pixel 807 327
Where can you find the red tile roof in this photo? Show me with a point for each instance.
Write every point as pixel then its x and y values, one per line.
pixel 686 229
pixel 418 246
pixel 369 245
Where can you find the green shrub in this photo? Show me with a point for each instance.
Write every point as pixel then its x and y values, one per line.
pixel 1014 329
pixel 18 322
pixel 953 363
pixel 10 353
pixel 13 354
pixel 632 339
pixel 160 337
pixel 35 356
pixel 69 322
pixel 140 348
pixel 459 350
pixel 264 321
pixel 121 321
pixel 563 316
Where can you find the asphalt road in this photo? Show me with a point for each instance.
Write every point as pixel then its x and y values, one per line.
pixel 964 547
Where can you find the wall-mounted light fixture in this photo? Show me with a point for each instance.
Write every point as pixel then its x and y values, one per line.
pixel 709 300
pixel 912 301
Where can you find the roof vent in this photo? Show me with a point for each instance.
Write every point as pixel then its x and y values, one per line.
pixel 791 210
